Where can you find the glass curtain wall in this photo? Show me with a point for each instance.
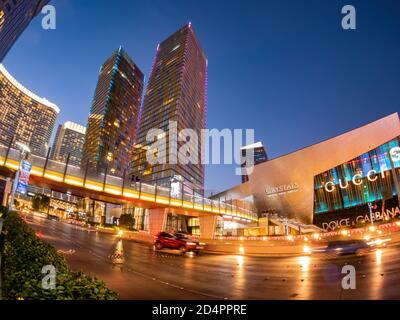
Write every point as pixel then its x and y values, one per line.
pixel 370 177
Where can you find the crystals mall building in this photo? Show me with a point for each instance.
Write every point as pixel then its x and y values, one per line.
pixel 341 182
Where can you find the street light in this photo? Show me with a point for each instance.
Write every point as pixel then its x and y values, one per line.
pixel 24 150
pixel 23 147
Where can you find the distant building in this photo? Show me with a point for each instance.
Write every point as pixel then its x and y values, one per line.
pixel 259 156
pixel 69 139
pixel 176 92
pixel 15 16
pixel 113 118
pixel 24 115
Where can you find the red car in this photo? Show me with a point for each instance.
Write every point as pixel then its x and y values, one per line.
pixel 179 241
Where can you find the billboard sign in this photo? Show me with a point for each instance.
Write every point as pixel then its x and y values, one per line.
pixel 24 174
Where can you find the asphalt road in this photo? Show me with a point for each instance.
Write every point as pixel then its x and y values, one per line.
pixel 135 271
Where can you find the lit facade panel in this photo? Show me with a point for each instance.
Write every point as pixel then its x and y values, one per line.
pixel 15 16
pixel 258 154
pixel 176 92
pixel 290 186
pixel 69 140
pixel 114 114
pixel 24 115
pixel 343 195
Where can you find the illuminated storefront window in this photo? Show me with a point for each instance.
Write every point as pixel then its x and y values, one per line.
pixel 367 178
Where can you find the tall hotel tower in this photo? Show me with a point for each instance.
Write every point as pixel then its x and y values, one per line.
pixel 113 117
pixel 68 143
pixel 176 92
pixel 15 16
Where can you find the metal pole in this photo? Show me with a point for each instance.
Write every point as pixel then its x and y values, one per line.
pixel 15 184
pixel 14 189
pixel 371 215
pixel 170 190
pixel 225 211
pixel 105 177
pixel 395 178
pixel 193 198
pixel 183 183
pixel 86 172
pixel 123 182
pixel 46 162
pixel 66 166
pixel 8 150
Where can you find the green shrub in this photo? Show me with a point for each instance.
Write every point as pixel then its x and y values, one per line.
pixel 127 220
pixel 40 202
pixel 24 256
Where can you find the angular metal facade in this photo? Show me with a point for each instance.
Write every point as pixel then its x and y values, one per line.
pixel 285 185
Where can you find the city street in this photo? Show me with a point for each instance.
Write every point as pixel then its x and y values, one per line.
pixel 135 271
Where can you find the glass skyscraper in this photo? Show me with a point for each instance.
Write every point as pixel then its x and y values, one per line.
pixel 15 16
pixel 113 117
pixel 176 92
pixel 24 116
pixel 69 140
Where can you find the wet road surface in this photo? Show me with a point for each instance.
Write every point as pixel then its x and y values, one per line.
pixel 135 271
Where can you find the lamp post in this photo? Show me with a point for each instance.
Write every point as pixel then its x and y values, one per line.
pixel 371 215
pixel 24 151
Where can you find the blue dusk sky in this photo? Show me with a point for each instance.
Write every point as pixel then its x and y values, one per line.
pixel 284 68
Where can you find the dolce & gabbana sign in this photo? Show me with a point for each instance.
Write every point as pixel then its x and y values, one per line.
pixel 347 222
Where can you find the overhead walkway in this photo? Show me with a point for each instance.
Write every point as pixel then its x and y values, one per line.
pixel 119 188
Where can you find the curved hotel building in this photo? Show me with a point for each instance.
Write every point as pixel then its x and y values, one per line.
pixel 24 116
pixel 341 182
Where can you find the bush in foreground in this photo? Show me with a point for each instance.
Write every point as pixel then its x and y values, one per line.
pixel 23 257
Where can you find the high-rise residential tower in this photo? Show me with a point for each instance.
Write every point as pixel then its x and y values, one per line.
pixel 113 117
pixel 15 16
pixel 69 140
pixel 176 92
pixel 24 116
pixel 258 154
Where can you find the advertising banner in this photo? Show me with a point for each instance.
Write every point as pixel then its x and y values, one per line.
pixel 25 172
